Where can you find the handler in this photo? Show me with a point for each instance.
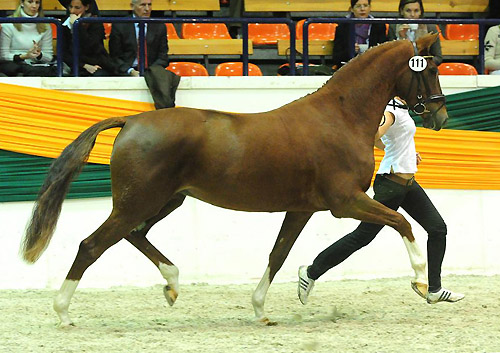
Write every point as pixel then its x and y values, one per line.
pixel 394 186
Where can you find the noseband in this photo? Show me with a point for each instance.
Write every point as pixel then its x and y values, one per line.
pixel 420 107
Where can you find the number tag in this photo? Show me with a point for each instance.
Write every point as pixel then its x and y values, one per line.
pixel 417 63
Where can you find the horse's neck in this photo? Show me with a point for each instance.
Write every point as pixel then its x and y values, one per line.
pixel 365 85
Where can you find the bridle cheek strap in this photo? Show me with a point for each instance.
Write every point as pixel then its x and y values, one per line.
pixel 420 107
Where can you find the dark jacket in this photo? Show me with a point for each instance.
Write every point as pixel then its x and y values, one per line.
pixel 123 45
pixel 434 50
pixel 341 41
pixel 92 49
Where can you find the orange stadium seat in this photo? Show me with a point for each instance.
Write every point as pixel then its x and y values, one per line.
pixel 171 32
pixel 236 69
pixel 267 33
pixel 205 31
pixel 317 31
pixel 456 69
pixel 462 32
pixel 187 69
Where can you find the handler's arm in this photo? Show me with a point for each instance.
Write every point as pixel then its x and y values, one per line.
pixel 385 123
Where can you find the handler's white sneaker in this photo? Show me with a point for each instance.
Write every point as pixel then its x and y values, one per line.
pixel 306 285
pixel 444 295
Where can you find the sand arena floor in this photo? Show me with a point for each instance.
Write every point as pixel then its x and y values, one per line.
pixel 382 315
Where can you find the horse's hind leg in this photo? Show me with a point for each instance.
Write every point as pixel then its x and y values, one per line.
pixel 368 210
pixel 108 234
pixel 290 229
pixel 168 270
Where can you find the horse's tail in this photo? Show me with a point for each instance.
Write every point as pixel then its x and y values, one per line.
pixel 51 196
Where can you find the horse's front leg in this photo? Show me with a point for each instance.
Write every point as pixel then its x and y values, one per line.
pixel 368 210
pixel 290 229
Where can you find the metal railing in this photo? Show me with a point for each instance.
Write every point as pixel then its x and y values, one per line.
pixel 59 34
pixel 143 21
pixel 305 41
pixel 244 21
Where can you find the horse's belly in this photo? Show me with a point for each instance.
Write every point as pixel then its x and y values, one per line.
pixel 238 199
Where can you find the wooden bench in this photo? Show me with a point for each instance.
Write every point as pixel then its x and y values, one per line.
pixel 117 5
pixel 207 46
pixel 325 47
pixel 164 5
pixel 203 47
pixel 377 6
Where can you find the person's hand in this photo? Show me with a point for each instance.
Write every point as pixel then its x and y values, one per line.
pixel 134 73
pixel 403 30
pixel 91 68
pixel 36 48
pixel 356 48
pixel 33 53
pixel 419 158
pixel 73 18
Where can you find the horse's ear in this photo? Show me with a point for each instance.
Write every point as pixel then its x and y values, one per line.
pixel 425 42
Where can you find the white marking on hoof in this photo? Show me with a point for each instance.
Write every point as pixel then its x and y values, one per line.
pixel 417 260
pixel 259 295
pixel 171 274
pixel 62 301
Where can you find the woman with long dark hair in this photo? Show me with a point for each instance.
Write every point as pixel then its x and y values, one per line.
pixel 93 60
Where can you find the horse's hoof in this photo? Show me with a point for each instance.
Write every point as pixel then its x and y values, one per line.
pixel 420 288
pixel 170 295
pixel 65 325
pixel 268 322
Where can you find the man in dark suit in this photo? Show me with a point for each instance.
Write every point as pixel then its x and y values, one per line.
pixel 123 45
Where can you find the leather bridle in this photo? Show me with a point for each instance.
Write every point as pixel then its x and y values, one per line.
pixel 420 107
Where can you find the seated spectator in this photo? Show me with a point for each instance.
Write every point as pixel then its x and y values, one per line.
pixel 94 60
pixel 26 48
pixel 123 41
pixel 492 50
pixel 366 34
pixel 414 9
pixel 92 8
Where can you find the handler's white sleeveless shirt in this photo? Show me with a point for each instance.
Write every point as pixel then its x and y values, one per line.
pixel 400 152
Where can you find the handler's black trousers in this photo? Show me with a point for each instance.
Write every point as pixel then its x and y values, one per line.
pixel 417 204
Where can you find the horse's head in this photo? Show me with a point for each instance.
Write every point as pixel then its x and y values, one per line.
pixel 419 86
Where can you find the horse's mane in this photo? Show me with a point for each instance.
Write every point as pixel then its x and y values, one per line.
pixel 357 60
pixel 367 55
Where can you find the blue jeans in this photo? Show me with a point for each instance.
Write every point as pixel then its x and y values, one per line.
pixel 417 204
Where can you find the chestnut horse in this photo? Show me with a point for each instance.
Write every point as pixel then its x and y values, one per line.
pixel 313 154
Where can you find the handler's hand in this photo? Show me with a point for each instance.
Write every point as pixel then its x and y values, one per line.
pixel 419 158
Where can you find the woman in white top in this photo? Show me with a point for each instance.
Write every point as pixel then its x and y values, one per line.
pixel 26 48
pixel 492 50
pixel 395 186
